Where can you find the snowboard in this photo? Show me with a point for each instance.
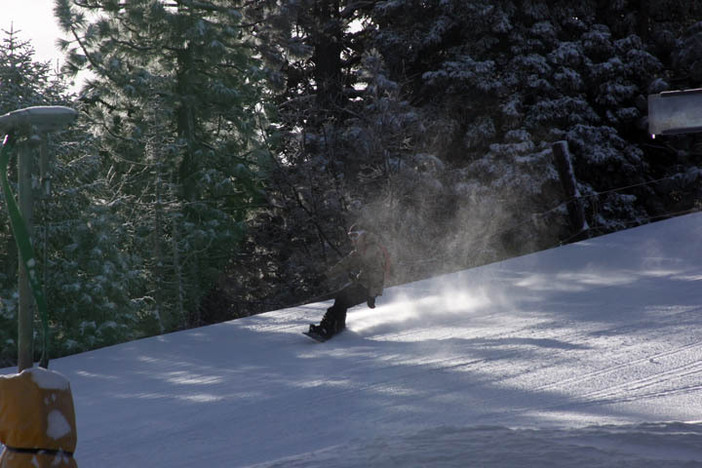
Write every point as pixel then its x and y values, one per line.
pixel 316 337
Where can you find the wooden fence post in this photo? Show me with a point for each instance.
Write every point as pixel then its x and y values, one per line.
pixel 576 212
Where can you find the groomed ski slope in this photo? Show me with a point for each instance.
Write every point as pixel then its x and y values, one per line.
pixel 584 355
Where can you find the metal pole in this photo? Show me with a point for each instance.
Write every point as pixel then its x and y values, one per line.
pixel 38 120
pixel 25 333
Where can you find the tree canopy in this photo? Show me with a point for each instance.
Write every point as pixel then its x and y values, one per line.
pixel 224 147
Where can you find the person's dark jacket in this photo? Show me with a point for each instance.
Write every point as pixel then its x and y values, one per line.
pixel 367 264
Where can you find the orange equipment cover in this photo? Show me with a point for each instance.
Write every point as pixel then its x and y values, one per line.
pixel 37 419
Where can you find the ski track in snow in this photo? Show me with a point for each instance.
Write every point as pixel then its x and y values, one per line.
pixel 585 355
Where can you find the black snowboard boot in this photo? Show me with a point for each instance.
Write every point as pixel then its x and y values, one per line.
pixel 320 331
pixel 332 323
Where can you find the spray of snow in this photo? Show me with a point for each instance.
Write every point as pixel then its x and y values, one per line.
pixel 404 309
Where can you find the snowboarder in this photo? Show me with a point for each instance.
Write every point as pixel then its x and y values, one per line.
pixel 367 267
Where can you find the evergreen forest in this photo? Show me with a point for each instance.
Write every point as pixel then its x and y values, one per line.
pixel 224 147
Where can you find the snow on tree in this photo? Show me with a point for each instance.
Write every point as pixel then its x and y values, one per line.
pixel 177 99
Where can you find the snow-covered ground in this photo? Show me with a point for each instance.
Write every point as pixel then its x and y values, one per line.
pixel 584 355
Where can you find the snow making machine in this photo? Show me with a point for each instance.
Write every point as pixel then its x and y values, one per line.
pixel 37 416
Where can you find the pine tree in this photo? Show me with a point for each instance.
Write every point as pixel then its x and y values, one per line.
pixel 25 81
pixel 513 77
pixel 313 49
pixel 90 280
pixel 178 101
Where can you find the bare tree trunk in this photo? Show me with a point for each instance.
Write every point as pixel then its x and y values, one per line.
pixel 180 292
pixel 158 255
